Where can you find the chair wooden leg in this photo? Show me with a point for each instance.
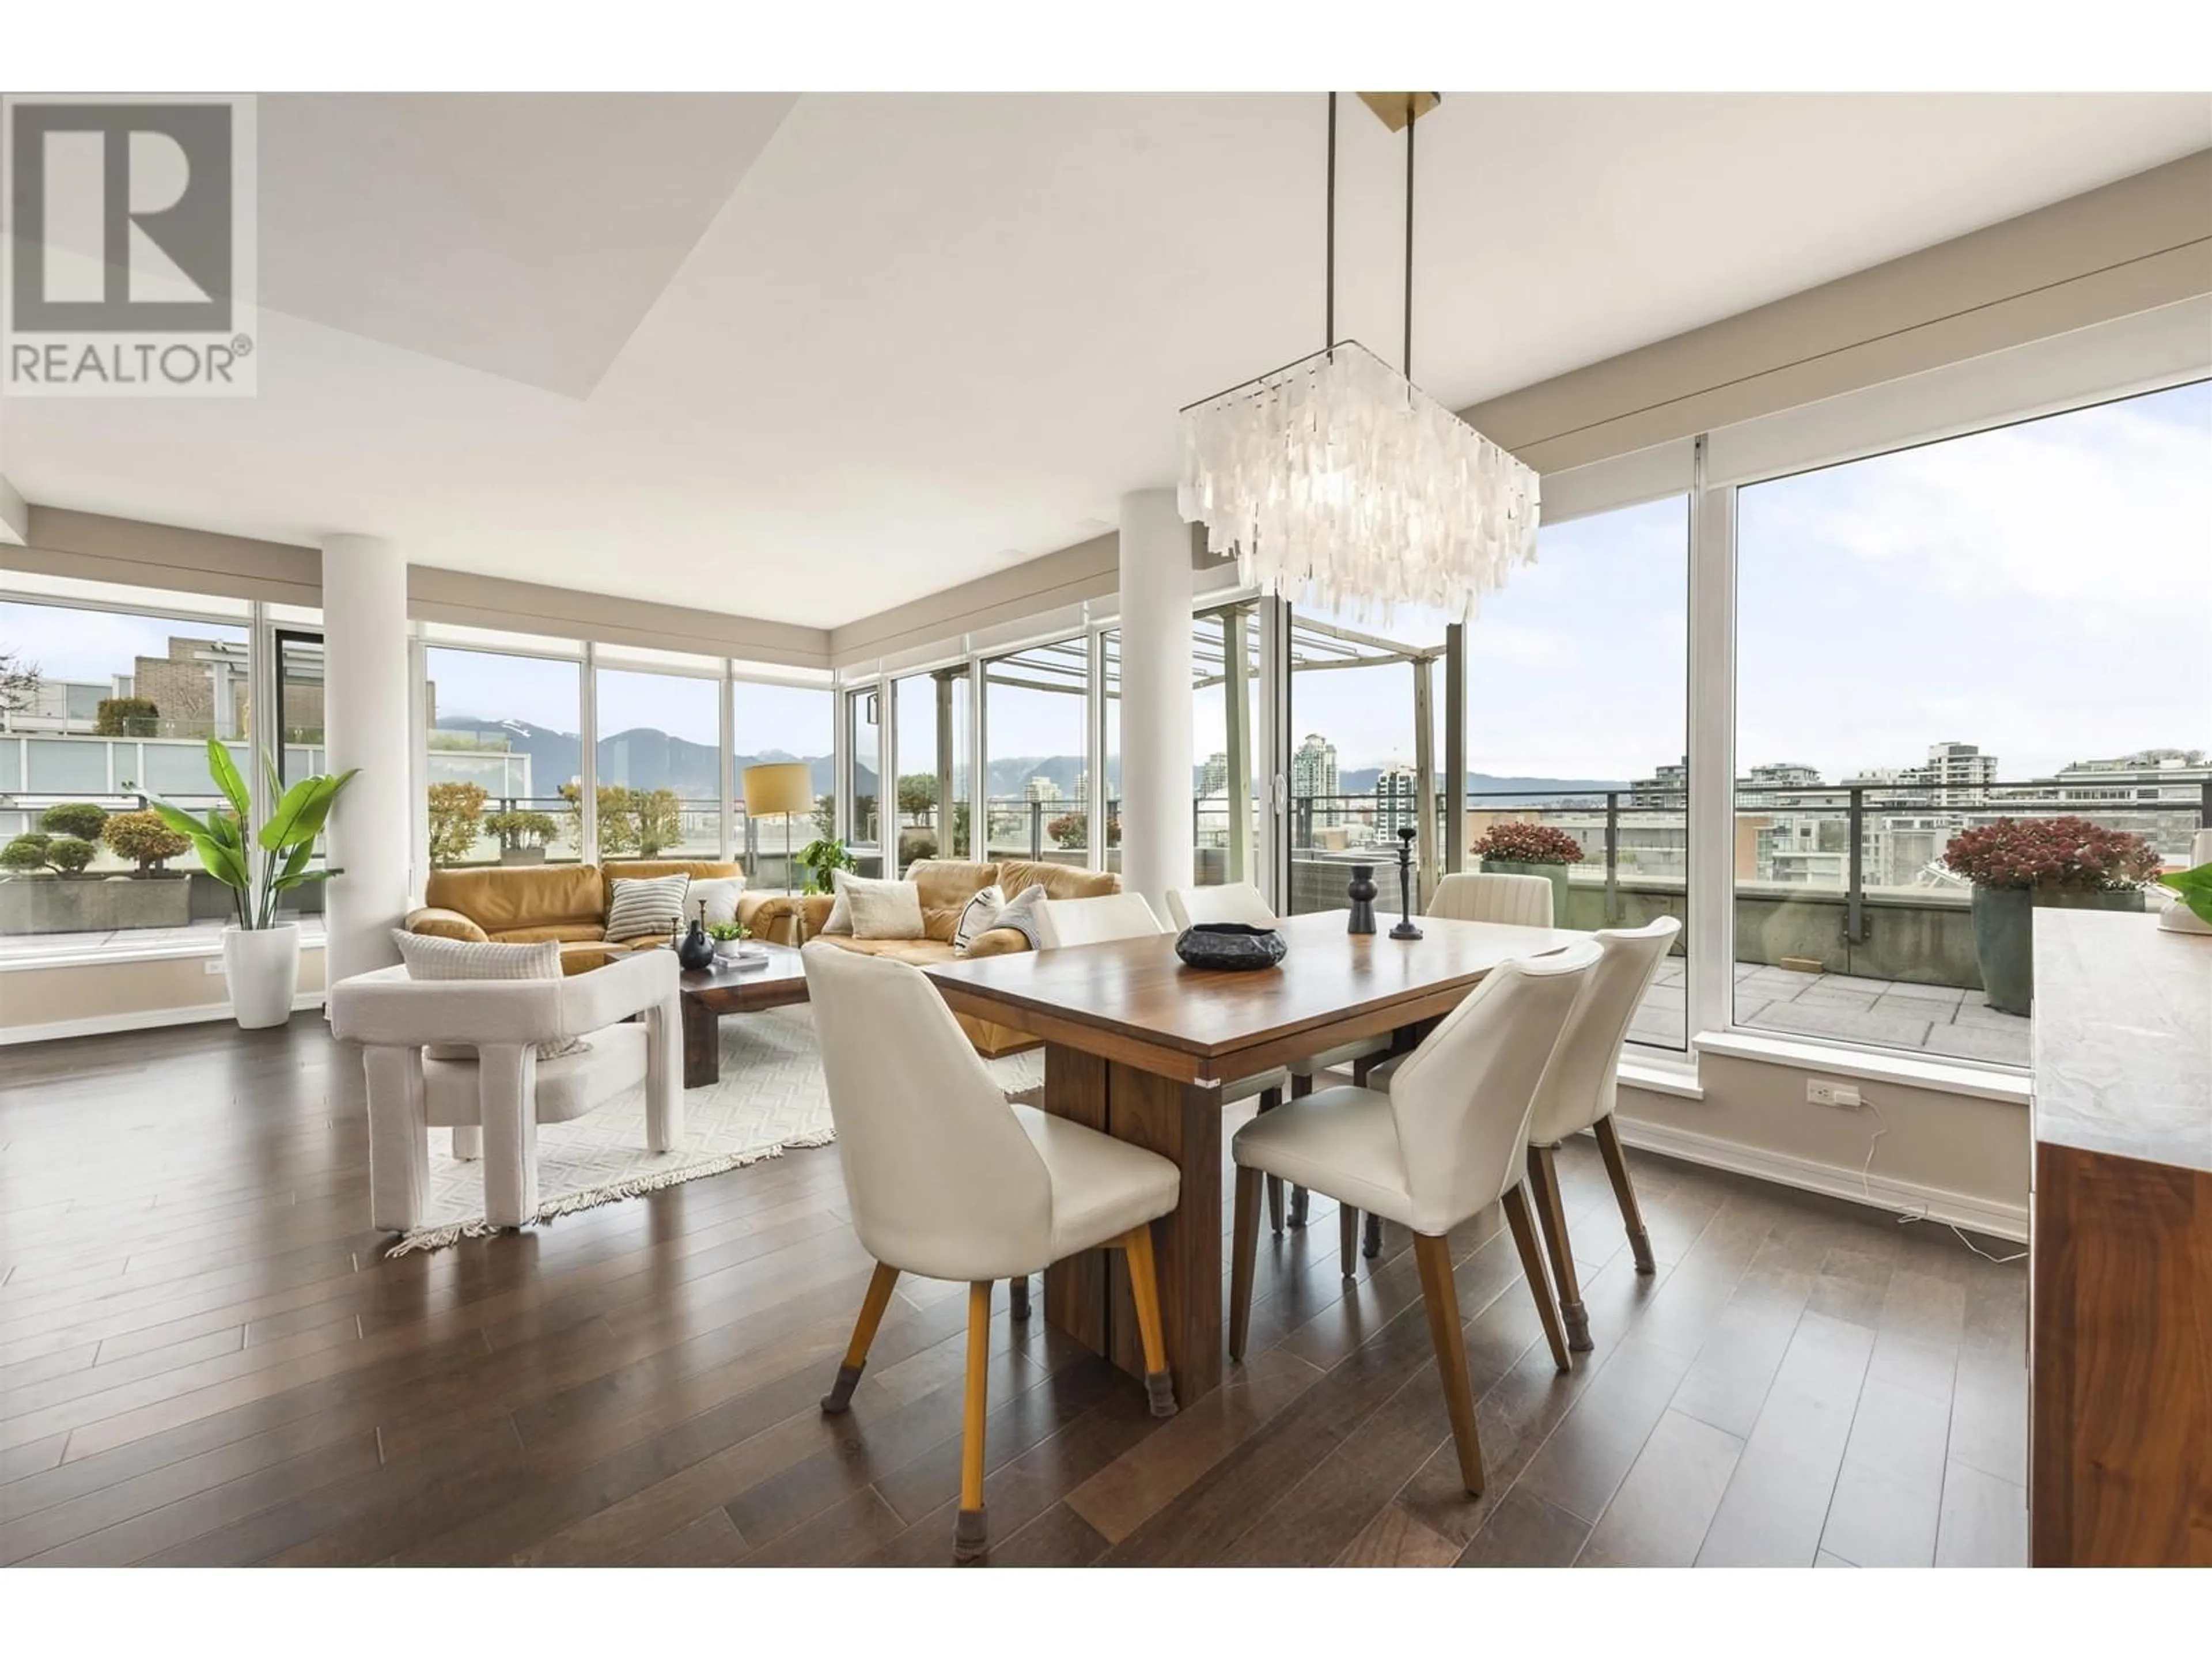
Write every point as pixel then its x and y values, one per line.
pixel 1017 1297
pixel 1243 1245
pixel 879 1297
pixel 1371 1241
pixel 1531 1266
pixel 970 1538
pixel 1301 1086
pixel 1439 1297
pixel 1269 1099
pixel 1544 1186
pixel 1616 1168
pixel 1144 1291
pixel 1347 1228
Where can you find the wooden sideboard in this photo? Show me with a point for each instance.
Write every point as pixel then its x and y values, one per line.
pixel 2120 1419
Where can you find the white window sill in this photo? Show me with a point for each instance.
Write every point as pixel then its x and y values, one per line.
pixel 1662 1074
pixel 1982 1082
pixel 127 953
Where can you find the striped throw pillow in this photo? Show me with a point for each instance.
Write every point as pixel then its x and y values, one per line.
pixel 644 907
pixel 432 959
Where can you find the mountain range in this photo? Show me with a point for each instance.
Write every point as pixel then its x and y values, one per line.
pixel 646 758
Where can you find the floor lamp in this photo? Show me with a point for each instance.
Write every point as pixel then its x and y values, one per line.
pixel 785 787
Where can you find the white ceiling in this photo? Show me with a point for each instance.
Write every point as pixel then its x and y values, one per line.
pixel 805 358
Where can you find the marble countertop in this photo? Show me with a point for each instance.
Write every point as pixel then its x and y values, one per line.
pixel 2123 1037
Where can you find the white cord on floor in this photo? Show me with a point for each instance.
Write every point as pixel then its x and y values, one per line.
pixel 1866 1186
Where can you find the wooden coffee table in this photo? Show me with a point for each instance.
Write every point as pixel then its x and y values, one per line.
pixel 710 993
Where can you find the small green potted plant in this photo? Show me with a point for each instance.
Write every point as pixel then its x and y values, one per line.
pixel 2018 864
pixel 821 858
pixel 1532 850
pixel 729 938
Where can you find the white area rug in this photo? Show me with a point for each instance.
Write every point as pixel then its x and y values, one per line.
pixel 770 1099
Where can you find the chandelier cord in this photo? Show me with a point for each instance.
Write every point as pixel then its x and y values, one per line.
pixel 1328 313
pixel 1407 368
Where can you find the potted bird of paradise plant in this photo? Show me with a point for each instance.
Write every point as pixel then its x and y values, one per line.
pixel 260 952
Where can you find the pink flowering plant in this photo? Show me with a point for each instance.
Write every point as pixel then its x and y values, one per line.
pixel 1529 843
pixel 2056 855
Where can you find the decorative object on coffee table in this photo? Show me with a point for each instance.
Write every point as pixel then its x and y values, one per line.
pixel 1406 928
pixel 696 949
pixel 1362 892
pixel 1231 946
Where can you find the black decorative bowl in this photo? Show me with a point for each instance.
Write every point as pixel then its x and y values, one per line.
pixel 1230 946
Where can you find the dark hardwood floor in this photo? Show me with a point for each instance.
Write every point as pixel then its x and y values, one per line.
pixel 206 1359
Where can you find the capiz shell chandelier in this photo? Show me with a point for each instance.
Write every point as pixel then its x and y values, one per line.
pixel 1338 483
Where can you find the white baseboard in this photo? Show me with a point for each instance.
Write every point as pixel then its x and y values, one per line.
pixel 1901 1197
pixel 145 1019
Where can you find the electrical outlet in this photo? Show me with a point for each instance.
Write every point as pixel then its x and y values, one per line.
pixel 1826 1091
pixel 212 967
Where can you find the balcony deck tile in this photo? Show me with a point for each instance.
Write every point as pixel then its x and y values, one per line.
pixel 1852 1024
pixel 1991 1042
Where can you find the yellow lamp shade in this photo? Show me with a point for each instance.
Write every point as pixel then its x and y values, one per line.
pixel 780 787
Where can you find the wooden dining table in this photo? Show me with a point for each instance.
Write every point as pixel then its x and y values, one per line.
pixel 1139 1045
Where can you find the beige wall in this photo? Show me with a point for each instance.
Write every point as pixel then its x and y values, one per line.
pixel 121 991
pixel 1939 1145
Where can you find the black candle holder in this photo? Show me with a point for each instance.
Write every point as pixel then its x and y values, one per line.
pixel 1405 929
pixel 1362 893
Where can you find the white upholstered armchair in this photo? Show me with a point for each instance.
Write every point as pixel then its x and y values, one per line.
pixel 503 1089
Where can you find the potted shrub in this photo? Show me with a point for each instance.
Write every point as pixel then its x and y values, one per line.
pixel 260 954
pixel 522 835
pixel 38 852
pixel 456 809
pixel 821 858
pixel 147 841
pixel 729 938
pixel 80 820
pixel 2018 864
pixel 1532 850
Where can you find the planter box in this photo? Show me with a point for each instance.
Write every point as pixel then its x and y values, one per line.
pixel 1554 874
pixel 51 904
pixel 2004 936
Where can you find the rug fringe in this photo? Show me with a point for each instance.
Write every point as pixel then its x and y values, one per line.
pixel 590 1198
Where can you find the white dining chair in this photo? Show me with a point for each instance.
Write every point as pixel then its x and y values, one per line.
pixel 947 1179
pixel 1484 895
pixel 1578 1094
pixel 1463 896
pixel 1062 922
pixel 1443 1145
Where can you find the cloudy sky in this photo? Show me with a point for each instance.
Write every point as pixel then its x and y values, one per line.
pixel 2039 590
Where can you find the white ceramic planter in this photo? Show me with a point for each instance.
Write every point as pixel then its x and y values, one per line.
pixel 262 966
pixel 2178 918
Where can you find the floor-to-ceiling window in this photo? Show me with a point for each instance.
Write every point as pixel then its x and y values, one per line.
pixel 863 745
pixel 1949 658
pixel 1226 764
pixel 1037 776
pixel 659 753
pixel 502 755
pixel 774 722
pixel 931 747
pixel 1366 745
pixel 110 696
pixel 1577 723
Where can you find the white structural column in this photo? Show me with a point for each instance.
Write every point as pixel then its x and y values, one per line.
pixel 365 725
pixel 1156 849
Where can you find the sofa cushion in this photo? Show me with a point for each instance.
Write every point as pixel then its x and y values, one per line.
pixel 430 957
pixel 914 951
pixel 948 884
pixel 713 899
pixel 1059 881
pixel 500 899
pixel 1019 915
pixel 977 915
pixel 644 869
pixel 566 933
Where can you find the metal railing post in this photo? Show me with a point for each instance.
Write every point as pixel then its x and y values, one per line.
pixel 2204 804
pixel 1037 831
pixel 1612 857
pixel 1854 912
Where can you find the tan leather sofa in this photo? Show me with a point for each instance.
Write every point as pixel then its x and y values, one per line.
pixel 946 886
pixel 526 904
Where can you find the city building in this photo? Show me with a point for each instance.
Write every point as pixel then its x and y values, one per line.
pixel 1397 801
pixel 1313 776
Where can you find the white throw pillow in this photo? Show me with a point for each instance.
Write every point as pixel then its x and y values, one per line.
pixel 841 914
pixel 429 958
pixel 714 900
pixel 644 907
pixel 883 909
pixel 977 916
